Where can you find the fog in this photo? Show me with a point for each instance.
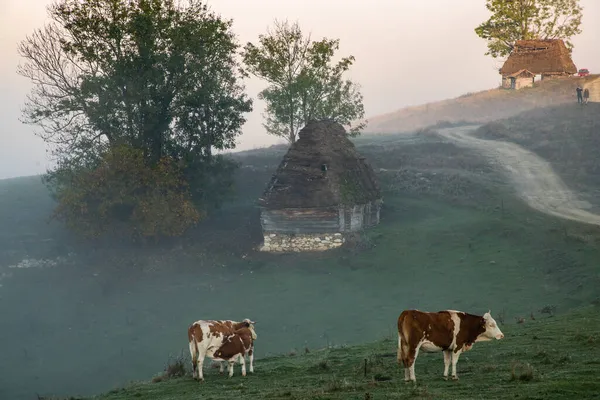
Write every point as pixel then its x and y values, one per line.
pixel 406 53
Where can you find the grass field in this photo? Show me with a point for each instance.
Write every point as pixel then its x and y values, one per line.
pixel 544 359
pixel 82 318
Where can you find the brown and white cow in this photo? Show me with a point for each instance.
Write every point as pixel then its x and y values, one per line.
pixel 233 325
pixel 452 332
pixel 221 341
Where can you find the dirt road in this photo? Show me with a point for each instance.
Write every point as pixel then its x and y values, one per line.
pixel 534 179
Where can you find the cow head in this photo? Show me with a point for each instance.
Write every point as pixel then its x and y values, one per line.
pixel 250 324
pixel 492 331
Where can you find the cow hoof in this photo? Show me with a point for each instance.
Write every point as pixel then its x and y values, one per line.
pixel 455 378
pixel 445 378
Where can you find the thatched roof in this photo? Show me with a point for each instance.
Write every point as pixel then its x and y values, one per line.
pixel 539 57
pixel 321 169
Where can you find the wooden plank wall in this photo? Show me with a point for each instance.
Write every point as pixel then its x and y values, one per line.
pixel 315 220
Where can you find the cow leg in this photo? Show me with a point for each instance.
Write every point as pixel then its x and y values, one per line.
pixel 251 359
pixel 231 362
pixel 455 355
pixel 221 367
pixel 199 365
pixel 243 362
pixel 403 356
pixel 412 358
pixel 447 358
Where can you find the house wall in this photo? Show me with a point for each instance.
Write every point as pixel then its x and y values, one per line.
pixel 520 82
pixel 300 220
pixel 315 229
pixel 523 83
pixel 360 216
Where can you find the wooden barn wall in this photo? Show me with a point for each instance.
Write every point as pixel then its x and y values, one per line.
pixel 321 220
pixel 355 218
pixel 301 220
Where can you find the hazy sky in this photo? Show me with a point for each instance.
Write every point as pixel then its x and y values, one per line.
pixel 407 52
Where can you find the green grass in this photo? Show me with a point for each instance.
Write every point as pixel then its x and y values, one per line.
pixel 568 136
pixel 451 237
pixel 549 358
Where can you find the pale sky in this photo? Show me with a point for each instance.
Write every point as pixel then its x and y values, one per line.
pixel 407 53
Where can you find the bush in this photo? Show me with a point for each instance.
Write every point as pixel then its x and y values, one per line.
pixel 125 195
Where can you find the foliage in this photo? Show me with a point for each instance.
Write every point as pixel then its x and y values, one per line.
pixel 526 20
pixel 304 83
pixel 145 201
pixel 158 76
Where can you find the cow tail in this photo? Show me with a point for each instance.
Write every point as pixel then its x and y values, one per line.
pixel 193 346
pixel 401 332
pixel 399 357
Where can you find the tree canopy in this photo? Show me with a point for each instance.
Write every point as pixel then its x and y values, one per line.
pixel 304 82
pixel 528 19
pixel 152 84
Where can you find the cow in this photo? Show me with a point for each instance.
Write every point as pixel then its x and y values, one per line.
pixel 452 332
pixel 221 341
pixel 236 325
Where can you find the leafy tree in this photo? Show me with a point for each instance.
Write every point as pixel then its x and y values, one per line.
pixel 154 75
pixel 528 19
pixel 304 83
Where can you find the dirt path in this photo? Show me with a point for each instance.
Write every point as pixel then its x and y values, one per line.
pixel 533 177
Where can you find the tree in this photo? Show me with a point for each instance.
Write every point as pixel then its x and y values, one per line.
pixel 151 75
pixel 304 83
pixel 528 19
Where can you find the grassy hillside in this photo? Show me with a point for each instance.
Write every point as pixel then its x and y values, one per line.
pixel 568 136
pixel 480 107
pixel 546 358
pixel 81 318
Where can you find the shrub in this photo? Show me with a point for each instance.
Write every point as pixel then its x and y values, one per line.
pixel 124 194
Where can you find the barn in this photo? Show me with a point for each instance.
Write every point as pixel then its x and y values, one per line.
pixel 322 190
pixel 548 59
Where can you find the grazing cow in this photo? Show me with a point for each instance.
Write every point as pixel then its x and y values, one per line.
pixel 452 332
pixel 233 325
pixel 221 341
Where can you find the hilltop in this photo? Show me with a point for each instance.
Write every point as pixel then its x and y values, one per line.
pixel 479 107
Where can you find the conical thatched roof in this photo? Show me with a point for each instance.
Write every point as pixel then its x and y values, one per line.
pixel 539 57
pixel 321 169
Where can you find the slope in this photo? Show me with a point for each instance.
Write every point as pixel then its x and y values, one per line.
pixel 480 107
pixel 546 358
pixel 533 177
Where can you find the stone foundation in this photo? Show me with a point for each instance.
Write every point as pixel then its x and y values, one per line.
pixel 286 243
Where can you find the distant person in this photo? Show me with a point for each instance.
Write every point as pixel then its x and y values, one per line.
pixel 579 96
pixel 586 95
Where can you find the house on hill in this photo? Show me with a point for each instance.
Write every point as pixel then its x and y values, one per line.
pixel 529 58
pixel 322 189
